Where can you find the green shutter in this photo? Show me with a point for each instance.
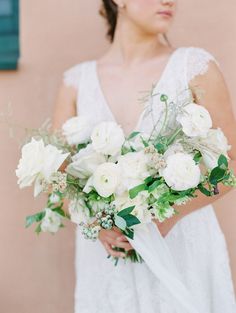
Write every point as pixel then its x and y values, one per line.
pixel 9 34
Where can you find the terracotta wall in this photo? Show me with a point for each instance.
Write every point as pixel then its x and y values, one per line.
pixel 37 273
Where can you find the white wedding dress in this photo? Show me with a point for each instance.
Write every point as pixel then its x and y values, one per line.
pixel 196 243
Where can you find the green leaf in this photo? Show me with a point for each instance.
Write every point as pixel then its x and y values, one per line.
pixel 120 222
pixel 134 191
pixel 205 191
pixel 129 233
pixel 126 211
pixel 160 147
pixel 197 157
pixel 131 220
pixel 38 229
pixel 60 212
pixel 145 143
pixel 148 180
pixel 133 134
pixel 223 162
pixel 81 146
pixel 217 174
pixel 154 185
pixel 34 218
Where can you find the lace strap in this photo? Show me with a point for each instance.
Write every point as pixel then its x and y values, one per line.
pixel 198 61
pixel 71 77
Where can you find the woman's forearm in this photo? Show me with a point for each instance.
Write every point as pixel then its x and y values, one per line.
pixel 202 200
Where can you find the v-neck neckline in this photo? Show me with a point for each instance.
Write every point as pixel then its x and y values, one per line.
pixel 155 87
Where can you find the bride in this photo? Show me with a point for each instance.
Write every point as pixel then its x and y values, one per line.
pixel 109 88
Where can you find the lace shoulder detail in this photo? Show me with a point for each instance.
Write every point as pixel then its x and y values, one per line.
pixel 197 62
pixel 71 76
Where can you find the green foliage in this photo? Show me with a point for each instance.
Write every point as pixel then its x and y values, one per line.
pixel 134 191
pixel 34 218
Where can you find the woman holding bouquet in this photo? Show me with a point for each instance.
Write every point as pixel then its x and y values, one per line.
pixel 109 89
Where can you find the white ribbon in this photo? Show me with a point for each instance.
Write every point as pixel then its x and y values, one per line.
pixel 150 244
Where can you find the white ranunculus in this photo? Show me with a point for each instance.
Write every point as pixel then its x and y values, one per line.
pixel 38 162
pixel 213 145
pixel 195 120
pixel 85 162
pixel 134 169
pixel 174 148
pixel 51 221
pixel 106 178
pixel 79 213
pixel 181 172
pixel 107 138
pixel 77 129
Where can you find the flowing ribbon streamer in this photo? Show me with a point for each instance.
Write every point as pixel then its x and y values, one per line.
pixel 150 244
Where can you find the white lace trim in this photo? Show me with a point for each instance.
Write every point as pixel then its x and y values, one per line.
pixel 198 62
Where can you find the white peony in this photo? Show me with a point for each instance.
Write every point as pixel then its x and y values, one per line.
pixel 85 162
pixel 105 179
pixel 212 146
pixel 134 169
pixel 77 129
pixel 195 120
pixel 38 162
pixel 107 138
pixel 79 213
pixel 181 172
pixel 51 221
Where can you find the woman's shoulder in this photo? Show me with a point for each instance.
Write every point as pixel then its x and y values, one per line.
pixel 197 60
pixel 72 74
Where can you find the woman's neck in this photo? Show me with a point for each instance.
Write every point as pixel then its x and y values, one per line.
pixel 131 45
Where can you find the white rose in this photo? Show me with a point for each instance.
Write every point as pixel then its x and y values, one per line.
pixel 79 213
pixel 181 172
pixel 51 221
pixel 195 120
pixel 38 162
pixel 107 138
pixel 105 179
pixel 133 169
pixel 77 129
pixel 85 162
pixel 213 145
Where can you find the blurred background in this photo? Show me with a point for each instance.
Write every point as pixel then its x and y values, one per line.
pixel 37 273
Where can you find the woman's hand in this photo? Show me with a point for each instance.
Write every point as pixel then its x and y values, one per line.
pixel 114 237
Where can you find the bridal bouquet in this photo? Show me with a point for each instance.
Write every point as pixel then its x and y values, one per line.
pixel 112 180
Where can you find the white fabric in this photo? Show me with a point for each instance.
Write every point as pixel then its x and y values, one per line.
pixel 196 243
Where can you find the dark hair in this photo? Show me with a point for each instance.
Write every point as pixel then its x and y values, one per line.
pixel 109 11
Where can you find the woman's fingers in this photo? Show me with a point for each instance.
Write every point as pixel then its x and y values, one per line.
pixel 110 251
pixel 120 244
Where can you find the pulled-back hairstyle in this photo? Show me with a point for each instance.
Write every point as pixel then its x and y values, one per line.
pixel 109 11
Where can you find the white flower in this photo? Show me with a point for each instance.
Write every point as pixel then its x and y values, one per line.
pixel 77 129
pixel 107 138
pixel 174 148
pixel 51 221
pixel 140 202
pixel 181 172
pixel 134 169
pixel 79 213
pixel 105 179
pixel 195 120
pixel 85 162
pixel 38 162
pixel 212 146
pixel 54 198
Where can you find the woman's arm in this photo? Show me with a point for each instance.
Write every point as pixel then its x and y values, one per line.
pixel 210 90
